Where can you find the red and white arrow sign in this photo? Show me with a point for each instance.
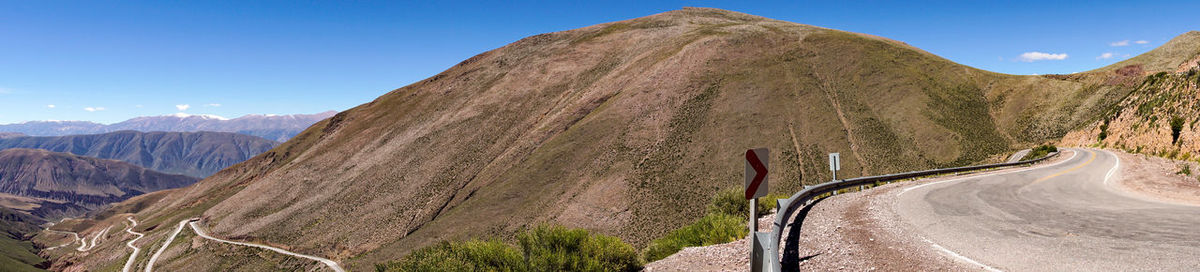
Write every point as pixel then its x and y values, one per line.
pixel 756 172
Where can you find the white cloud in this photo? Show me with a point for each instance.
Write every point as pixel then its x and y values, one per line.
pixel 50 106
pixel 94 109
pixel 183 107
pixel 1141 42
pixel 1036 56
pixel 139 106
pixel 212 105
pixel 1106 55
pixel 1119 43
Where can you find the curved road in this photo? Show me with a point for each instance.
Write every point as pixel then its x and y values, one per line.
pixel 1061 216
pixel 170 239
pixel 132 257
pixel 330 263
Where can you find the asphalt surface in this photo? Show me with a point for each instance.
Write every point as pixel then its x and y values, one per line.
pixel 1016 157
pixel 1061 216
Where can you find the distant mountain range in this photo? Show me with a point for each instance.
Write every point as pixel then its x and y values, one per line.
pixel 84 181
pixel 273 127
pixel 196 154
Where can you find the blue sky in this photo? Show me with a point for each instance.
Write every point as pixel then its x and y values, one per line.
pixel 107 61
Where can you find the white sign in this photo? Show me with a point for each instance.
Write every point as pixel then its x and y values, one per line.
pixel 835 162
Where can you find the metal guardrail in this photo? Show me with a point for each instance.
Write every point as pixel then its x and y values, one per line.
pixel 770 240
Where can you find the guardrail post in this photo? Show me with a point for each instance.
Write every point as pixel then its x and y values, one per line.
pixel 756 250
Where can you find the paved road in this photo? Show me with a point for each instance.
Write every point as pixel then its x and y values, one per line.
pixel 330 263
pixel 1056 217
pixel 1016 157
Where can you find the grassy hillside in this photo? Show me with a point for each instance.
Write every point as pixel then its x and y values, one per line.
pixel 17 253
pixel 625 129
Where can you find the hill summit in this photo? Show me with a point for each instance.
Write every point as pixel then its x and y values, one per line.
pixel 625 128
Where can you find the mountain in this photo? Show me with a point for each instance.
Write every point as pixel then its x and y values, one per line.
pixel 274 127
pixel 197 154
pixel 6 135
pixel 83 181
pixel 1160 116
pixel 54 128
pixel 623 128
pixel 36 185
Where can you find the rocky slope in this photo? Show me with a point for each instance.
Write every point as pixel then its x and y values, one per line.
pixel 197 154
pixel 274 127
pixel 82 181
pixel 1160 116
pixel 621 128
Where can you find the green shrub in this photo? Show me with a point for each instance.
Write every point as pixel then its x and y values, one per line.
pixel 733 202
pixel 556 248
pixel 725 222
pixel 471 255
pixel 1103 131
pixel 1176 127
pixel 713 228
pixel 1040 151
pixel 544 248
pixel 1185 169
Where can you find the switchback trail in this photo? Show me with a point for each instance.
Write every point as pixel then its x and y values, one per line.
pixel 132 257
pixel 154 258
pixel 77 239
pixel 332 264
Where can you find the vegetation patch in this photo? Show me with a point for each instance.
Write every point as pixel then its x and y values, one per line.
pixel 1176 127
pixel 544 248
pixel 725 222
pixel 1040 151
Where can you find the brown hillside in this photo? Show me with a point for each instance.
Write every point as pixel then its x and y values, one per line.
pixel 1180 52
pixel 197 154
pixel 81 181
pixel 626 128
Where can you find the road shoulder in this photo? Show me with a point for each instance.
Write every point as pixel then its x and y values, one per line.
pixel 1157 179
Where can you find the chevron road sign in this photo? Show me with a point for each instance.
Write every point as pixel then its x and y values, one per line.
pixel 756 172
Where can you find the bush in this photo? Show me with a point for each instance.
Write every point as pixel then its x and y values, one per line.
pixel 1185 169
pixel 1104 130
pixel 713 228
pixel 461 256
pixel 545 248
pixel 556 248
pixel 733 202
pixel 1040 151
pixel 1176 127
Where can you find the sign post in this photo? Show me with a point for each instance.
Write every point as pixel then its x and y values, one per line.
pixel 835 163
pixel 757 161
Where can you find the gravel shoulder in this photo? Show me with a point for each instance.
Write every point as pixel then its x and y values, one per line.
pixel 1156 178
pixel 858 231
